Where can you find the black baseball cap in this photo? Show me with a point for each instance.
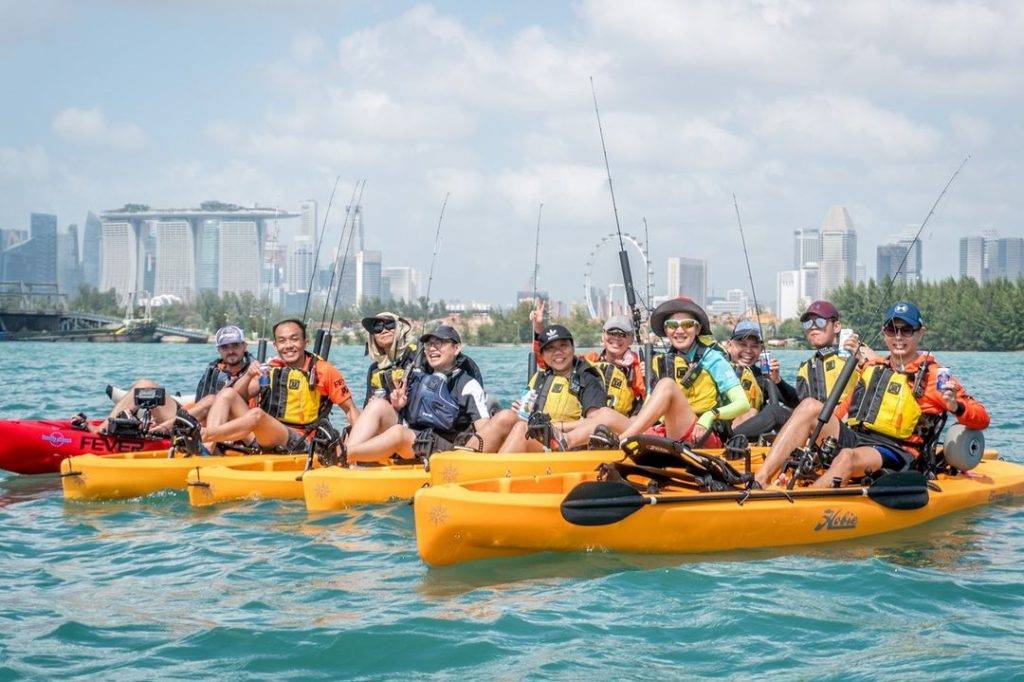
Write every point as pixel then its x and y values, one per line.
pixel 443 332
pixel 554 332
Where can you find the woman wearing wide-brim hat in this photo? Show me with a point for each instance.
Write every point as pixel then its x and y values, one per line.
pixel 389 345
pixel 696 385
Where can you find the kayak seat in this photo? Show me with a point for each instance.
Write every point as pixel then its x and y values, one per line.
pixel 711 471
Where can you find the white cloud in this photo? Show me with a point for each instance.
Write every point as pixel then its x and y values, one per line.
pixel 91 127
pixel 32 163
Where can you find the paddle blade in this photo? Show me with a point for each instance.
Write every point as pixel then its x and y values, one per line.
pixel 599 503
pixel 900 490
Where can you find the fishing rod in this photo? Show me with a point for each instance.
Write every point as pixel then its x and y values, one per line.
pixel 917 236
pixel 647 249
pixel 433 260
pixel 319 243
pixel 322 345
pixel 627 275
pixel 531 364
pixel 344 262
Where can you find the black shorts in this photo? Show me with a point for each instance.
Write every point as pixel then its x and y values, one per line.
pixel 296 441
pixel 894 457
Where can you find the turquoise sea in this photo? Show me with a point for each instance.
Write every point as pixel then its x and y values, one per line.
pixel 151 588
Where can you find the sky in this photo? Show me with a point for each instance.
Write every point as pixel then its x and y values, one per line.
pixel 791 106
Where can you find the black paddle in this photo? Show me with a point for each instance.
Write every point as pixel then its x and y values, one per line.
pixel 599 503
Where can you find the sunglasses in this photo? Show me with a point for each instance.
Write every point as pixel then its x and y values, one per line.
pixel 618 333
pixel 818 322
pixel 382 325
pixel 672 325
pixel 899 330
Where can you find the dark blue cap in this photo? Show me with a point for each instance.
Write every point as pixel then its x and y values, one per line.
pixel 746 329
pixel 906 311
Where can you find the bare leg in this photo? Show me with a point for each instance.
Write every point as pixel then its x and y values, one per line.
pixel 268 431
pixel 227 405
pixel 198 410
pixel 850 463
pixel 578 434
pixel 375 419
pixel 794 434
pixel 496 429
pixel 666 400
pixel 397 439
pixel 518 442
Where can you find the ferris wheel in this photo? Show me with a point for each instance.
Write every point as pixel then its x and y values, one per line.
pixel 611 240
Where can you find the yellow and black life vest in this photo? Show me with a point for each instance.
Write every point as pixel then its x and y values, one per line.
pixel 387 378
pixel 818 374
pixel 885 401
pixel 694 379
pixel 292 396
pixel 618 385
pixel 559 396
pixel 750 385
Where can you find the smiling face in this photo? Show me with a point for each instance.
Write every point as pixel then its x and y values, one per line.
pixel 558 355
pixel 682 330
pixel 745 351
pixel 902 340
pixel 441 353
pixel 290 343
pixel 822 332
pixel 616 342
pixel 232 353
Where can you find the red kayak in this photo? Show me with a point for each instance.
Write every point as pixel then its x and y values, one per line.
pixel 38 447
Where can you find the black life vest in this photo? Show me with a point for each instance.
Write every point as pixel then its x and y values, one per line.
pixel 216 377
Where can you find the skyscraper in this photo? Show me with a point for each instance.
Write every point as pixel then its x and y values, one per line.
pixel 402 284
pixel 34 260
pixel 972 258
pixel 887 260
pixel 806 247
pixel 810 284
pixel 175 265
pixel 241 257
pixel 208 255
pixel 912 268
pixel 368 276
pixel 838 264
pixel 300 264
pixel 1013 253
pixel 119 264
pixel 787 293
pixel 69 273
pixel 309 220
pixel 92 238
pixel 688 277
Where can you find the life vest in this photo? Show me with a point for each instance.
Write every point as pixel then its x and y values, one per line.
pixel 692 377
pixel 818 374
pixel 292 396
pixel 750 386
pixel 559 396
pixel 216 377
pixel 386 378
pixel 618 385
pixel 431 405
pixel 886 401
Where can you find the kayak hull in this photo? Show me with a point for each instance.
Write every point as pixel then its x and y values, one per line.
pixel 461 465
pixel 90 477
pixel 266 479
pixel 333 488
pixel 506 517
pixel 39 446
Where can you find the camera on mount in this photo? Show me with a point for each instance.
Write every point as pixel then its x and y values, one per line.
pixel 149 398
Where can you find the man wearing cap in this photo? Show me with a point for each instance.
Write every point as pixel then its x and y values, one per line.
pixel 817 375
pixel 445 395
pixel 696 384
pixel 228 370
pixel 895 409
pixel 388 345
pixel 768 394
pixel 619 365
pixel 568 390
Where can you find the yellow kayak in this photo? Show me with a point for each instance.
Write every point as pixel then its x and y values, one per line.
pixel 277 479
pixel 512 516
pixel 89 477
pixel 340 487
pixel 462 465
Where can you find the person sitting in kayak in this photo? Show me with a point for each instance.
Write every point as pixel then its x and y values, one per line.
pixel 444 395
pixel 817 375
pixel 387 343
pixel 696 385
pixel 300 390
pixel 567 390
pixel 768 394
pixel 226 371
pixel 895 406
pixel 618 363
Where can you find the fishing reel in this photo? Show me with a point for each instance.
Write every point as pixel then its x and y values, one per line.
pixel 806 463
pixel 327 446
pixel 540 428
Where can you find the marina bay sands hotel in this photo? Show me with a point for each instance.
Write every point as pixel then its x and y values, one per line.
pixel 181 252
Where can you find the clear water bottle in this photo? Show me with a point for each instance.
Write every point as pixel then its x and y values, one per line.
pixel 526 403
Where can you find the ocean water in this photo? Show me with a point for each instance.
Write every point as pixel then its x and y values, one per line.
pixel 150 588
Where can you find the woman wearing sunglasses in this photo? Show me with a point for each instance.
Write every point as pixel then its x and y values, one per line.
pixel 388 344
pixel 696 385
pixel 896 409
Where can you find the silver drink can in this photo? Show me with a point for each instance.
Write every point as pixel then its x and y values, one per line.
pixel 844 334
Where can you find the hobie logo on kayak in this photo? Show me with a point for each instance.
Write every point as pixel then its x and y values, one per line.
pixel 56 439
pixel 837 520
